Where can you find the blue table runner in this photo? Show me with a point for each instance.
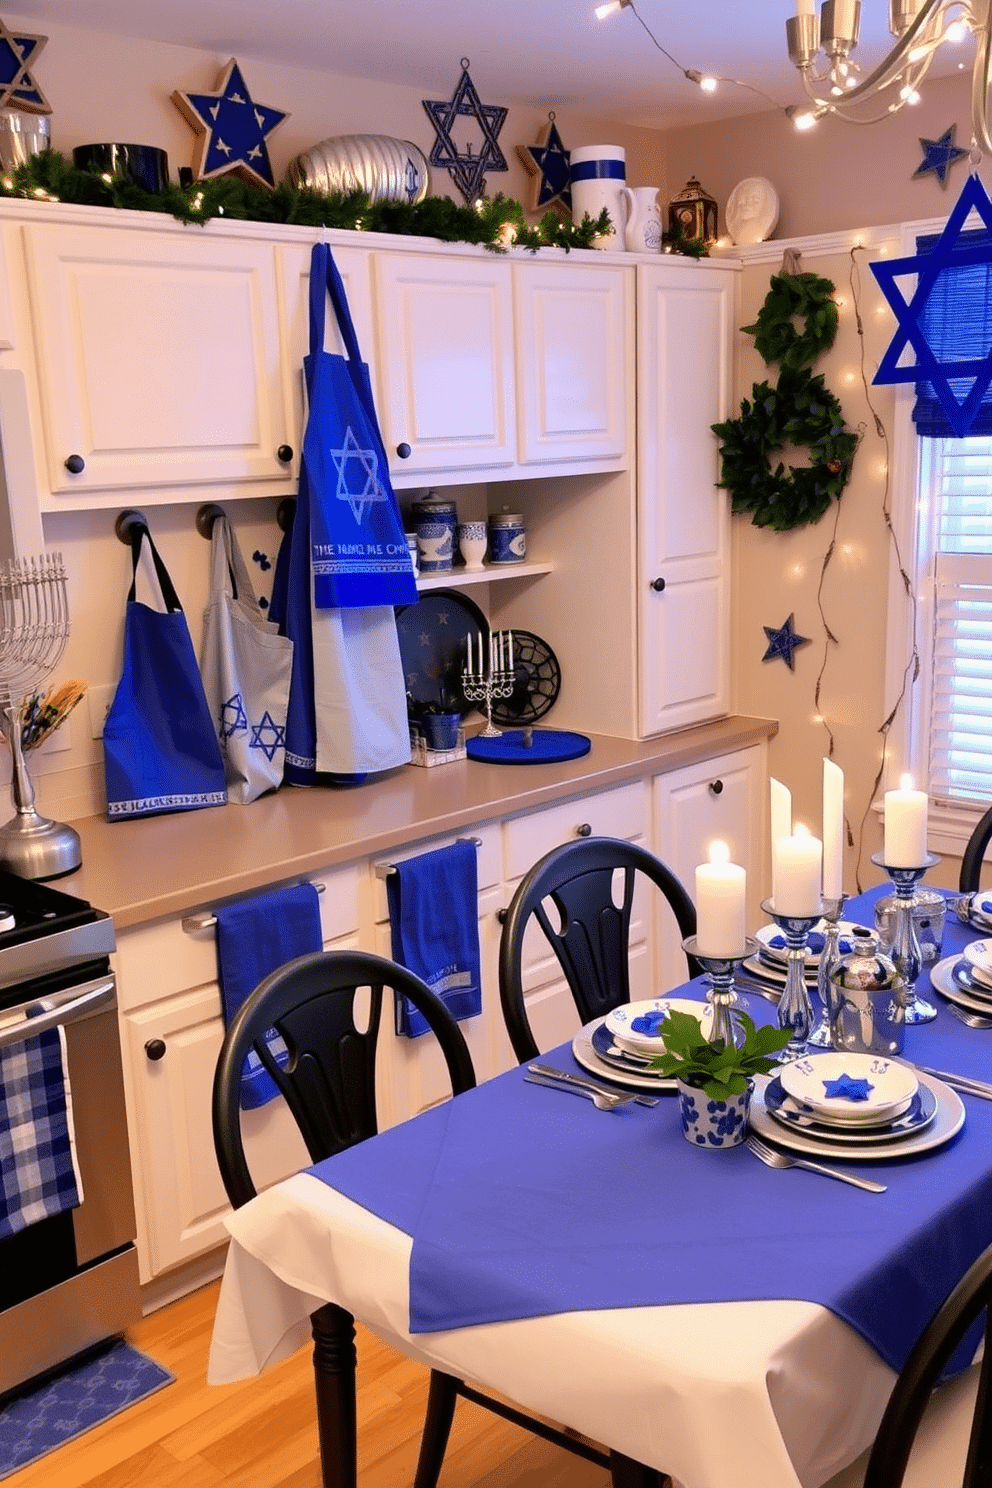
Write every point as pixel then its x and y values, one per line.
pixel 523 1202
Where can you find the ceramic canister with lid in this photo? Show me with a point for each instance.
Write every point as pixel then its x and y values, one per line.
pixel 436 522
pixel 507 538
pixel 868 1000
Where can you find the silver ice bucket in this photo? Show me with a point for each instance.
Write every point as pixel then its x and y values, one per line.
pixel 867 1000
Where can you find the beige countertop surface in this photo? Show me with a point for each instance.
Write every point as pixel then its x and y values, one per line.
pixel 143 869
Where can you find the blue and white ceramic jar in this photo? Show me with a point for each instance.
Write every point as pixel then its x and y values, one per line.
pixel 713 1124
pixel 507 538
pixel 435 547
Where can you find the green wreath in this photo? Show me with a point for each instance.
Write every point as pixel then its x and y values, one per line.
pixel 799 411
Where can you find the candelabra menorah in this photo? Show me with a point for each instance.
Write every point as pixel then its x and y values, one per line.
pixel 34 628
pixel 482 685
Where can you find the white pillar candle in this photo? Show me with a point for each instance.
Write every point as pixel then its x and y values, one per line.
pixel 905 826
pixel 720 894
pixel 833 830
pixel 510 633
pixel 781 818
pixel 805 7
pixel 797 872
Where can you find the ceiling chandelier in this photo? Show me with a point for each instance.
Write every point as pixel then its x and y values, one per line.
pixel 821 45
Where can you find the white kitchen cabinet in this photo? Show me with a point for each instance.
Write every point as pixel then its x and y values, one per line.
pixel 159 362
pixel 718 799
pixel 574 366
pixel 685 320
pixel 445 363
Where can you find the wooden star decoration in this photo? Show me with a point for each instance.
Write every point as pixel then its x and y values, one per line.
pixel 784 642
pixel 232 130
pixel 927 268
pixel 468 171
pixel 18 89
pixel 939 155
pixel 547 162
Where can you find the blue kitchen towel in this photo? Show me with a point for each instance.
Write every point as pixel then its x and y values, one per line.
pixel 359 551
pixel 434 914
pixel 38 1173
pixel 254 938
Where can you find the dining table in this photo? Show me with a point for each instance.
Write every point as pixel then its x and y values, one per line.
pixel 701 1314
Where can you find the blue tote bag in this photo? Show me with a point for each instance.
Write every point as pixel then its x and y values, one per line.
pixel 359 551
pixel 160 746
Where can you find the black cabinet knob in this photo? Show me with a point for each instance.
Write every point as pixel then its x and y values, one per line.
pixel 285 453
pixel 404 451
pixel 716 786
pixel 155 1049
pixel 658 585
pixel 75 464
pixel 585 830
pixel 501 916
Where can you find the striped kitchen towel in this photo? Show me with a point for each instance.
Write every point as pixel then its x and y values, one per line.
pixel 39 1175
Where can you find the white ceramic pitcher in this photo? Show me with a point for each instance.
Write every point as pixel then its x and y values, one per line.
pixel 596 177
pixel 642 233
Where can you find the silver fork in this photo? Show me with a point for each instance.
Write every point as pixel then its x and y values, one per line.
pixel 971 1020
pixel 601 1099
pixel 551 1072
pixel 775 1159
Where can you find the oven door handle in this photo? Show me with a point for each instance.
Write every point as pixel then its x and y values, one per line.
pixel 83 999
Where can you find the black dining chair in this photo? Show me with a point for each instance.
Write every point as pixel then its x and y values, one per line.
pixel 969 881
pixel 928 1439
pixel 590 885
pixel 328 1083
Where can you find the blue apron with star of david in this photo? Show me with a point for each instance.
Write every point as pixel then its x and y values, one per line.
pixel 359 553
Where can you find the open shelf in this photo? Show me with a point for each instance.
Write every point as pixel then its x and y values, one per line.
pixel 490 573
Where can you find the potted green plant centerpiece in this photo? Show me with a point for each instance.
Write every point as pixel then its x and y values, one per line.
pixel 714 1078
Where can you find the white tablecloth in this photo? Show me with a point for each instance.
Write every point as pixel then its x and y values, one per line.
pixel 724 1395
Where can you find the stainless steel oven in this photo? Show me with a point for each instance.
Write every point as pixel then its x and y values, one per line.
pixel 68 1282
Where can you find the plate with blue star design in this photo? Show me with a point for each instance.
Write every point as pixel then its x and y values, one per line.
pixel 798 1117
pixel 849 1089
pixel 947 1122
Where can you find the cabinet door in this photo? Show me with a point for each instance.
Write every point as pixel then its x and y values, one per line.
pixel 715 799
pixel 684 326
pixel 573 368
pixel 445 353
pixel 159 361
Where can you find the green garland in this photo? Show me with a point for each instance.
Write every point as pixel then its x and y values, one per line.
pixel 49 177
pixel 799 411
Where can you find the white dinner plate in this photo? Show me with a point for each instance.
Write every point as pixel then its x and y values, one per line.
pixel 773 972
pixel 943 981
pixel 919 1113
pixel 772 941
pixel 621 1020
pixel 890 1086
pixel 978 953
pixel 946 1124
pixel 608 1069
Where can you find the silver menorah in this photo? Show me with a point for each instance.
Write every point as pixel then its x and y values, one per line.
pixel 481 684
pixel 34 628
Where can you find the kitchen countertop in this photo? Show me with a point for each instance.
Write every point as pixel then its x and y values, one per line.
pixel 143 869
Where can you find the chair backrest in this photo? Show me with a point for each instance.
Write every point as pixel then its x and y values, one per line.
pixel 591 940
pixel 921 1372
pixel 329 1077
pixel 971 863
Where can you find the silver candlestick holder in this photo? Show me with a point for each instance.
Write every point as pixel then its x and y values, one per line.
pixel 829 956
pixel 484 686
pixel 795 1009
pixel 722 994
pixel 905 947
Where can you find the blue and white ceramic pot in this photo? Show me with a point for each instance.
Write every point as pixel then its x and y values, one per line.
pixel 713 1123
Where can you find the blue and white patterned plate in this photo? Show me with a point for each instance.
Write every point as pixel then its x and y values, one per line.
pixel 952 979
pixel 773 944
pixel 921 1111
pixel 842 1086
pixel 591 1046
pixel 946 1124
pixel 635 1026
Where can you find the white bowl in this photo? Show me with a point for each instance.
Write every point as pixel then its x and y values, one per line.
pixel 889 1086
pixel 649 1042
pixel 979 955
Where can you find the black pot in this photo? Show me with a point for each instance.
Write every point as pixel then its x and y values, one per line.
pixel 145 163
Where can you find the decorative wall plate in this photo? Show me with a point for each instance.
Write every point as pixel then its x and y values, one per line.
pixel 432 635
pixel 537 682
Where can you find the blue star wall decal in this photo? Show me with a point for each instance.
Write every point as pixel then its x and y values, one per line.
pixel 232 130
pixel 468 171
pixel 367 462
pixel 939 155
pixel 18 89
pixel 927 267
pixel 548 161
pixel 784 642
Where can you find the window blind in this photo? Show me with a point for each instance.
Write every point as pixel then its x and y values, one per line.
pixel 956 322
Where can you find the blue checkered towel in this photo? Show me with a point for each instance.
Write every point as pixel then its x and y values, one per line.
pixel 38 1172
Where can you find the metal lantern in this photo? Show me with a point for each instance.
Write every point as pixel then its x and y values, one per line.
pixel 693 213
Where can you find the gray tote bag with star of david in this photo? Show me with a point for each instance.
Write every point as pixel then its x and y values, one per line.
pixel 245 664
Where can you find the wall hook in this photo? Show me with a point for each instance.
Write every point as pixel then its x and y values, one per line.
pixel 126 522
pixel 284 513
pixel 206 517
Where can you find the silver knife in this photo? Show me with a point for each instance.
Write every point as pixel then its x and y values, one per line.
pixel 551 1073
pixel 963 1083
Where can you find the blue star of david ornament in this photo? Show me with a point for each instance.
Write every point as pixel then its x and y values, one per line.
pixel 548 161
pixel 18 89
pixel 232 130
pixel 468 171
pixel 928 267
pixel 846 1087
pixel 939 155
pixel 784 642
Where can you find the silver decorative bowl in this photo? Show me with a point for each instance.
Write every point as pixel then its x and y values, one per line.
pixel 386 169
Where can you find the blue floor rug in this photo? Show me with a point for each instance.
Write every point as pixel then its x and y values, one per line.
pixel 65 1405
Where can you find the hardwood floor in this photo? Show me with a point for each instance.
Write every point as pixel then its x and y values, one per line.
pixel 262 1433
